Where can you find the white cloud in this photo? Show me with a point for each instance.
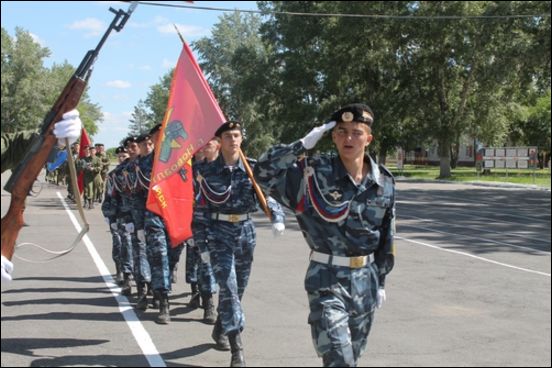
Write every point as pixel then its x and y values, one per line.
pixel 37 39
pixel 167 64
pixel 185 30
pixel 92 26
pixel 121 84
pixel 114 127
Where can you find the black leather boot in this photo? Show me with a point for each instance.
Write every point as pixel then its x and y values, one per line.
pixel 126 289
pixel 164 316
pixel 236 347
pixel 220 339
pixel 119 277
pixel 209 313
pixel 194 301
pixel 142 302
pixel 173 274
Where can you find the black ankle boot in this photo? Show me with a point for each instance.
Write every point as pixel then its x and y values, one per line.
pixel 194 301
pixel 126 289
pixel 142 302
pixel 236 347
pixel 164 316
pixel 209 313
pixel 220 339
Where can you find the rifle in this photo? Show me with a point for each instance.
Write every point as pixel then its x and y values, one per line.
pixel 23 177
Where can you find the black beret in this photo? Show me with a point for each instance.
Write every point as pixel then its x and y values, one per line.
pixel 357 112
pixel 155 129
pixel 120 149
pixel 229 125
pixel 143 137
pixel 131 139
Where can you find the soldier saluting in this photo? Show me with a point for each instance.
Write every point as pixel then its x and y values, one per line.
pixel 345 206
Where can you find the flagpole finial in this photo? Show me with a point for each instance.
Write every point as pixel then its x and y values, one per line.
pixel 179 34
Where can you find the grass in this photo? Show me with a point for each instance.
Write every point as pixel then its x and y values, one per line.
pixel 538 177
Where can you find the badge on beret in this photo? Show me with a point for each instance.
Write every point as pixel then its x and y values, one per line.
pixel 366 115
pixel 347 116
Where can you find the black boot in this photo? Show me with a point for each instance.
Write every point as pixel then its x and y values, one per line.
pixel 209 314
pixel 126 289
pixel 173 274
pixel 142 302
pixel 194 301
pixel 219 337
pixel 237 349
pixel 119 277
pixel 164 316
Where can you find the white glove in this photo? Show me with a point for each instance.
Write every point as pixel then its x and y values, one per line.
pixel 310 140
pixel 129 227
pixel 113 226
pixel 70 127
pixel 7 268
pixel 380 298
pixel 278 229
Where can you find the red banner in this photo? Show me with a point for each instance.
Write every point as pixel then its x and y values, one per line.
pixel 84 142
pixel 192 117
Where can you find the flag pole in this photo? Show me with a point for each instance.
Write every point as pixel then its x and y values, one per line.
pixel 258 191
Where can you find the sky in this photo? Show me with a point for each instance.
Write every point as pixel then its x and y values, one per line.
pixel 130 61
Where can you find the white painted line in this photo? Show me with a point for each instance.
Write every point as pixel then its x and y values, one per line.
pixel 140 334
pixel 476 237
pixel 472 256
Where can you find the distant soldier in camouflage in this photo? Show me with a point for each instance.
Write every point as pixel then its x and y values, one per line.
pixel 157 241
pixel 229 201
pixel 345 206
pixel 91 166
pixel 113 212
pixel 206 283
pixel 104 159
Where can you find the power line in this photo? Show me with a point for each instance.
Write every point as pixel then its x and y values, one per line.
pixel 373 16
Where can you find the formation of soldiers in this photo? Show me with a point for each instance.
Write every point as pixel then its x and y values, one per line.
pixel 221 250
pixel 344 204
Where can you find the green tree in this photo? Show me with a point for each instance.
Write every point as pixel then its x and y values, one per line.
pixel 29 89
pixel 234 60
pixel 140 121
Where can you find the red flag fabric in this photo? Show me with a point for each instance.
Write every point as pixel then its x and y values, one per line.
pixel 192 117
pixel 84 142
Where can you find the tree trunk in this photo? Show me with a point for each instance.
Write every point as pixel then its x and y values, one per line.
pixel 444 157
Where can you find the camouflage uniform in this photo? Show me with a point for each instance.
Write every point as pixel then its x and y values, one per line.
pixel 137 204
pixel 157 240
pixel 339 218
pixel 101 182
pixel 91 166
pixel 203 270
pixel 229 200
pixel 13 148
pixel 122 240
pixel 118 199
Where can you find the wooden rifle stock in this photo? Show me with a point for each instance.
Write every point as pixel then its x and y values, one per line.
pixel 23 177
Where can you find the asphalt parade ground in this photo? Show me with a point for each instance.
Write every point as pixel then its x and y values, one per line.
pixel 471 287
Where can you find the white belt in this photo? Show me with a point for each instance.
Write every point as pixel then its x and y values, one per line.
pixel 351 262
pixel 230 217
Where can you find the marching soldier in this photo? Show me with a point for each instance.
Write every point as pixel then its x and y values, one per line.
pixel 345 206
pixel 112 209
pixel 230 199
pixel 206 285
